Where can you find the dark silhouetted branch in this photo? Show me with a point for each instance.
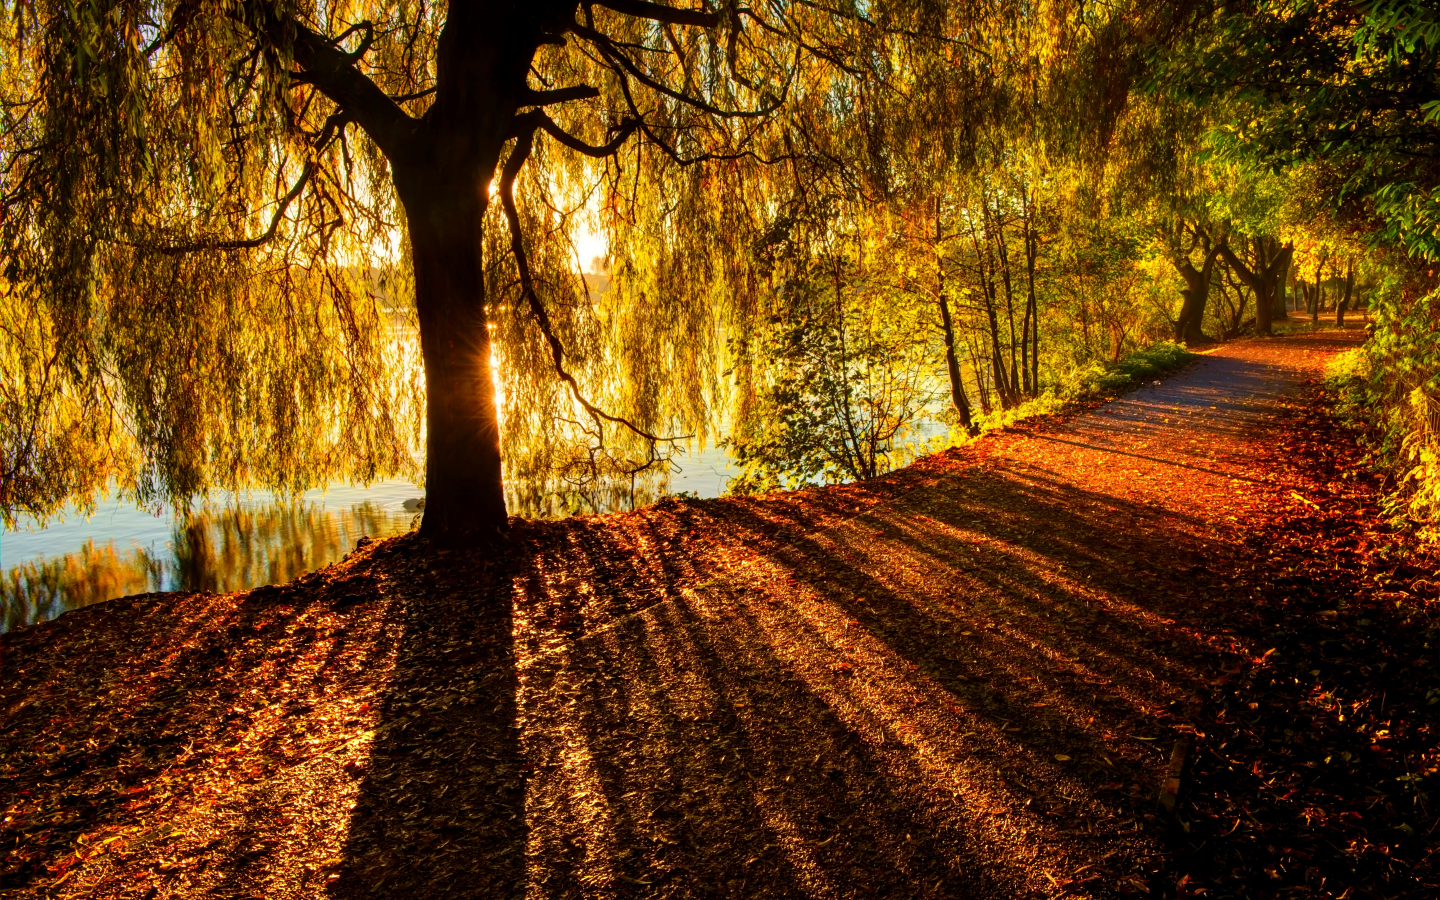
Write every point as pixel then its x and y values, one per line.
pixel 533 97
pixel 655 12
pixel 247 243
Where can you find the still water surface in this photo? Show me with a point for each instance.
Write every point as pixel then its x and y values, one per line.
pixel 243 543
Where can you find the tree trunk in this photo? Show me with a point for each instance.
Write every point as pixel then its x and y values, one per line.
pixel 1344 303
pixel 1264 280
pixel 1032 308
pixel 442 164
pixel 986 268
pixel 1264 301
pixel 997 359
pixel 464 486
pixel 952 366
pixel 1280 305
pixel 947 326
pixel 1017 389
pixel 982 389
pixel 1317 293
pixel 1188 328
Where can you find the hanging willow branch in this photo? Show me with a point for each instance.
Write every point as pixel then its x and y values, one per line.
pixel 518 156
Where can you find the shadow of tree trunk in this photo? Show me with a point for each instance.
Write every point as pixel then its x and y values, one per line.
pixel 441 812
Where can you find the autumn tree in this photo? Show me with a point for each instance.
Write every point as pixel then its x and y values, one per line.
pixel 201 204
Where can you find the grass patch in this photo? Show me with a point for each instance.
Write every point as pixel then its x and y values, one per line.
pixel 1096 381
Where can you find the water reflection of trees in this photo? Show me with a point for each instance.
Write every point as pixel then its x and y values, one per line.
pixel 210 550
pixel 241 548
pixel 236 548
pixel 560 498
pixel 43 589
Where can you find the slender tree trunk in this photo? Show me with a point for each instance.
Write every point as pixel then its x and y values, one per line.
pixel 1016 387
pixel 985 264
pixel 1085 327
pixel 1344 303
pixel 1032 308
pixel 982 390
pixel 1280 301
pixel 997 357
pixel 947 327
pixel 464 486
pixel 854 453
pixel 952 367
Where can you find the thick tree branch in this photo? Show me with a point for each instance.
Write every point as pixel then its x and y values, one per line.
pixel 532 97
pixel 359 52
pixel 1255 279
pixel 526 123
pixel 333 72
pixel 655 12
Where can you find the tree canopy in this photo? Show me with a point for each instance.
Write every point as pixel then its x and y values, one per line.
pixel 204 206
pixel 276 245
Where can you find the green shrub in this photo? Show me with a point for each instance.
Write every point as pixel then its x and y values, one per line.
pixel 1389 389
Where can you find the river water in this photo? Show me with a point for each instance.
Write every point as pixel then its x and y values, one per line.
pixel 239 543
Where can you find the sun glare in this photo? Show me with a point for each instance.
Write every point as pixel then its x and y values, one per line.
pixel 589 246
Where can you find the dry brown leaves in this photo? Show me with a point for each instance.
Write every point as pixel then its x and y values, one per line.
pixel 962 680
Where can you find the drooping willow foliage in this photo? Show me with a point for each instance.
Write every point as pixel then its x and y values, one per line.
pixel 200 285
pixel 215 217
pixel 207 282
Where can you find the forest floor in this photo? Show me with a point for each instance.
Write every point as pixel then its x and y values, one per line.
pixel 970 678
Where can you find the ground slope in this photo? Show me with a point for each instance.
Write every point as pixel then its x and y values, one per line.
pixel 967 679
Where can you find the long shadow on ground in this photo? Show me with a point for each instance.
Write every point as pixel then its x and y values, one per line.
pixel 958 684
pixel 962 680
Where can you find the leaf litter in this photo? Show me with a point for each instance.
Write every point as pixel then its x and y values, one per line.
pixel 968 678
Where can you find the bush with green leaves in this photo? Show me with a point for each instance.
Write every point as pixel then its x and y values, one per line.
pixel 844 384
pixel 1390 390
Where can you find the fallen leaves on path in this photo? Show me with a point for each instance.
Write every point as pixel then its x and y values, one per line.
pixel 966 679
pixel 1315 777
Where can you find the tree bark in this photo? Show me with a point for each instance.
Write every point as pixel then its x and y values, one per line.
pixel 1344 303
pixel 1196 292
pixel 1017 389
pixel 947 327
pixel 1263 280
pixel 1032 307
pixel 952 366
pixel 1280 306
pixel 986 269
pixel 464 484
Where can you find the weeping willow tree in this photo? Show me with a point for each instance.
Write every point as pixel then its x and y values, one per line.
pixel 225 224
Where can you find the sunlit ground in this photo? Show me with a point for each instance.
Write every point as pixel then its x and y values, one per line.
pixel 965 680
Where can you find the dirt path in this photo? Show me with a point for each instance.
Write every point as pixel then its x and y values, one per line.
pixel 964 680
